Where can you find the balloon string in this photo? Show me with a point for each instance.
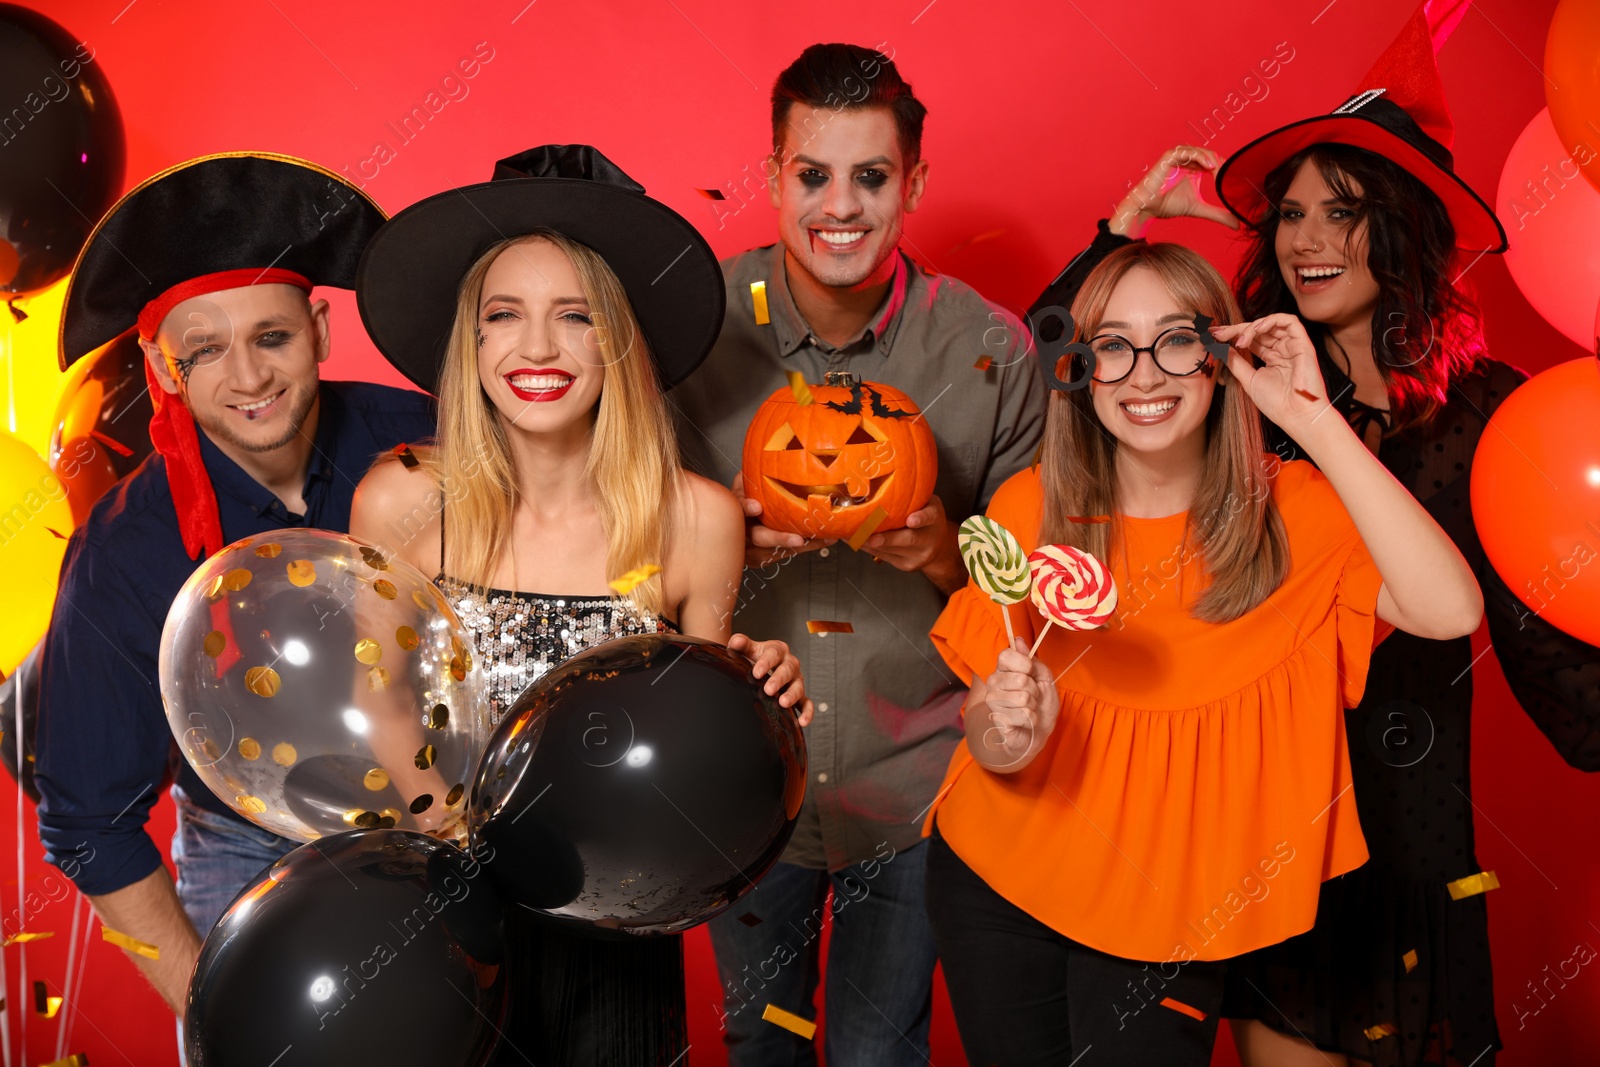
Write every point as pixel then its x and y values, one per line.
pixel 69 993
pixel 22 893
pixel 89 919
pixel 1047 624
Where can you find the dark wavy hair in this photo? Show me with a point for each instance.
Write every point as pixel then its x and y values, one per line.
pixel 847 77
pixel 1426 329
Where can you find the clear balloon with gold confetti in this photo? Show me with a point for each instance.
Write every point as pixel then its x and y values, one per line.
pixel 318 684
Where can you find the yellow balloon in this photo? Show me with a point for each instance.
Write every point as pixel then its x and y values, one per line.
pixel 35 521
pixel 30 376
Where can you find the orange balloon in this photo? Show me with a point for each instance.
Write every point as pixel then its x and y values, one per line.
pixel 1536 495
pixel 35 521
pixel 1572 82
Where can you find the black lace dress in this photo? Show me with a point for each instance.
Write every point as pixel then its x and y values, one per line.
pixel 1396 971
pixel 578 1000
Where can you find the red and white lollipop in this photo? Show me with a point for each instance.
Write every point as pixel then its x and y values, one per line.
pixel 1071 589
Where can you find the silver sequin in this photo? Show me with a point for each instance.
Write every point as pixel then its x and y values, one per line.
pixel 520 636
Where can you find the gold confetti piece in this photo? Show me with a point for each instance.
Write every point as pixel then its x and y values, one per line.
pixel 453 797
pixel 384 588
pixel 425 757
pixel 249 748
pixel 822 626
pixel 214 589
pixel 1379 1032
pixel 374 558
pixel 984 363
pixel 368 820
pixel 51 1006
pixel 789 1021
pixel 1180 1006
pixel 439 717
pixel 351 816
pixel 798 386
pixel 132 944
pixel 408 458
pixel 284 755
pixel 1410 960
pixel 406 638
pixel 376 779
pixel 77 1059
pixel 867 529
pixel 269 551
pixel 422 804
pixel 378 679
pixel 24 938
pixel 302 572
pixel 712 194
pixel 758 298
pixel 236 579
pixel 386 822
pixel 458 669
pixel 214 644
pixel 253 805
pixel 262 681
pixel 1472 885
pixel 629 581
pixel 368 651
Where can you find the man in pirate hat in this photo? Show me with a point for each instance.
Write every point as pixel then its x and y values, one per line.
pixel 214 261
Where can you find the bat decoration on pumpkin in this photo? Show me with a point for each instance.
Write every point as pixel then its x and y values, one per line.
pixel 821 469
pixel 854 405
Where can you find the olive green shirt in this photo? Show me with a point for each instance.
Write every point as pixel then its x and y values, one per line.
pixel 888 709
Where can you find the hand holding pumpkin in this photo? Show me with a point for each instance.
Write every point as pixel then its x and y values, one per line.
pixel 927 543
pixel 764 545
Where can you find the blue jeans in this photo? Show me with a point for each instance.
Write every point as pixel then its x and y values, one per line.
pixel 880 963
pixel 216 857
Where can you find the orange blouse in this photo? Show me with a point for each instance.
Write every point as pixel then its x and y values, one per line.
pixel 1196 790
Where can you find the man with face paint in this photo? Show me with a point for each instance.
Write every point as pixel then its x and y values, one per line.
pixel 214 261
pixel 838 294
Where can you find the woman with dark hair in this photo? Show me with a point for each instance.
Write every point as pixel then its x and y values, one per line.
pixel 1358 226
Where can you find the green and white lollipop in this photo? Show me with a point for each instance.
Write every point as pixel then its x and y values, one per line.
pixel 997 564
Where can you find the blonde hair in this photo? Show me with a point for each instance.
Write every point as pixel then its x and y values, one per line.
pixel 633 467
pixel 1233 523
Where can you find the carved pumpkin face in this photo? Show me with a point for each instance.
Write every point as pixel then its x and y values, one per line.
pixel 821 469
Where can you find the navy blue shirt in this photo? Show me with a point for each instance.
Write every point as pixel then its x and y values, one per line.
pixel 104 749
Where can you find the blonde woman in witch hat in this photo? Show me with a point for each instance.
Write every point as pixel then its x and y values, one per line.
pixel 1359 227
pixel 548 310
pixel 214 262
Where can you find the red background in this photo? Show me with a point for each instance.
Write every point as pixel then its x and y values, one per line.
pixel 1040 117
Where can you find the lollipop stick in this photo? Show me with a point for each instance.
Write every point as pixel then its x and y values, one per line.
pixel 1011 636
pixel 1047 624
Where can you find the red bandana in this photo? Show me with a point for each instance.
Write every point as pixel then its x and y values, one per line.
pixel 172 429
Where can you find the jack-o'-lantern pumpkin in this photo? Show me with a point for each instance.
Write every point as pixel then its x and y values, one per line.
pixel 823 468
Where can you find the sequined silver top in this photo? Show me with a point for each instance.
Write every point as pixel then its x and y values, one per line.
pixel 520 636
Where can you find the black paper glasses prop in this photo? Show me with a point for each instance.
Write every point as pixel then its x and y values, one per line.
pixel 1109 358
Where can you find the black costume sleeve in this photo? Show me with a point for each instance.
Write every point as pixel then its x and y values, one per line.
pixel 1060 293
pixel 1553 675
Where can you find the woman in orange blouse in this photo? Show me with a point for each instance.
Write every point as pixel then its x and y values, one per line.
pixel 1139 803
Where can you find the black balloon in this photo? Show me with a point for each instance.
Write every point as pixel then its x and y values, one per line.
pixel 102 422
pixel 642 786
pixel 374 946
pixel 20 692
pixel 63 143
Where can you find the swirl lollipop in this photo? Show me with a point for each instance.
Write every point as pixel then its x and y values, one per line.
pixel 995 561
pixel 1071 589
